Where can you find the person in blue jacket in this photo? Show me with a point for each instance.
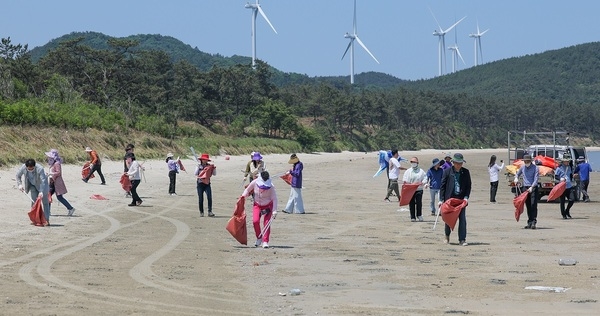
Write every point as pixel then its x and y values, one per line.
pixel 583 169
pixel 564 173
pixel 434 181
pixel 295 203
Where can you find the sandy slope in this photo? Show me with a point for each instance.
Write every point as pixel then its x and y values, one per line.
pixel 351 254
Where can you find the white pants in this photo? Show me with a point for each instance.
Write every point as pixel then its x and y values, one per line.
pixel 295 204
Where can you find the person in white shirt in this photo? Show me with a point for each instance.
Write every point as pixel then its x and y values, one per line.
pixel 394 173
pixel 134 173
pixel 415 175
pixel 494 170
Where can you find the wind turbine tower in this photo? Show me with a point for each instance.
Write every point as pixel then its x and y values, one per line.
pixel 477 36
pixel 440 33
pixel 455 52
pixel 255 10
pixel 350 47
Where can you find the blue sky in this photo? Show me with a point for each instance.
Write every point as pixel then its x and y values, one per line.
pixel 310 37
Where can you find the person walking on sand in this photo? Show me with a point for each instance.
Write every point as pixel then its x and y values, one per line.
pixel 393 175
pixel 265 204
pixel 531 174
pixel 247 171
pixel 295 203
pixel 583 170
pixel 95 165
pixel 415 175
pixel 434 182
pixel 456 183
pixel 35 183
pixel 494 170
pixel 447 162
pixel 128 153
pixel 204 171
pixel 173 167
pixel 56 182
pixel 134 174
pixel 564 172
pixel 257 165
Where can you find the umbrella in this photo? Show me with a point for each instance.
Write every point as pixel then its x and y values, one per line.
pixel 519 203
pixel 557 191
pixel 450 210
pixel 236 225
pixel 407 192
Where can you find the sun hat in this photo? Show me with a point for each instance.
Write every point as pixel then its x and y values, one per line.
pixel 434 162
pixel 458 158
pixel 257 156
pixel 565 158
pixel 581 158
pixel 293 159
pixel 129 147
pixel 447 156
pixel 170 155
pixel 53 153
pixel 88 149
pixel 526 157
pixel 204 157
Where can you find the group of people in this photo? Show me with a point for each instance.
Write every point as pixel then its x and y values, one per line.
pixel 529 173
pixel 445 179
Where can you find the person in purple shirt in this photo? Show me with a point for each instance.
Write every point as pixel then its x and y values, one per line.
pixel 295 204
pixel 583 170
pixel 447 162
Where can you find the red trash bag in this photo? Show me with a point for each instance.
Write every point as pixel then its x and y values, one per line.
pixel 125 182
pixel 557 191
pixel 407 192
pixel 37 213
pixel 519 203
pixel 450 211
pixel 287 178
pixel 206 173
pixel 236 225
pixel 181 167
pixel 86 170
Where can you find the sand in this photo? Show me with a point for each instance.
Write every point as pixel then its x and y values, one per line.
pixel 350 254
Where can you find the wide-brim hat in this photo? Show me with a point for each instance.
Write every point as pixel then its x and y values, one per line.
pixel 293 159
pixel 88 149
pixel 458 158
pixel 204 157
pixel 434 162
pixel 565 158
pixel 581 158
pixel 257 156
pixel 170 155
pixel 526 157
pixel 53 153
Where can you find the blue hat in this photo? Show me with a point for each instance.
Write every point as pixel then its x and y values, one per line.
pixel 434 162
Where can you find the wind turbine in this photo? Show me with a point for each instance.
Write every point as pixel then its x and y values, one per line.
pixel 477 36
pixel 350 47
pixel 455 53
pixel 442 42
pixel 255 10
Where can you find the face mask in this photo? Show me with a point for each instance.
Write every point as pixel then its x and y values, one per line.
pixel 527 164
pixel 414 164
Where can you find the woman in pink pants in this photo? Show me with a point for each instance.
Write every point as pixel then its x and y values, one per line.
pixel 265 203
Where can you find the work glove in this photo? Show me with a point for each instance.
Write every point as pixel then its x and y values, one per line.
pixel 563 179
pixel 274 214
pixel 21 188
pixel 466 200
pixel 530 189
pixel 426 186
pixel 516 180
pixel 40 194
pixel 440 203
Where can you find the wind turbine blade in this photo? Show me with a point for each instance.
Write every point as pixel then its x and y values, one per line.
pixel 459 55
pixel 453 25
pixel 477 26
pixel 347 48
pixel 266 18
pixel 436 21
pixel 354 20
pixel 480 34
pixel 365 47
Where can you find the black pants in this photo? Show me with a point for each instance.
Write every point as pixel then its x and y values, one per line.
pixel 172 176
pixel 94 168
pixel 584 188
pixel 531 205
pixel 567 195
pixel 134 194
pixel 493 190
pixel 416 205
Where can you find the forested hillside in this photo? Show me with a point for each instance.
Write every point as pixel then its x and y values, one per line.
pixel 129 86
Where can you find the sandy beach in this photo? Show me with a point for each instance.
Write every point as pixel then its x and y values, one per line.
pixel 350 254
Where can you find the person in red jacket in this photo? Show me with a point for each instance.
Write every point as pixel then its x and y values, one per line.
pixel 95 165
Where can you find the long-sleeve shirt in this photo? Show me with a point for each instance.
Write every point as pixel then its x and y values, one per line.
pixel 494 171
pixel 134 171
pixel 415 176
pixel 199 169
pixel 434 177
pixel 37 178
pixel 173 165
pixel 296 173
pixel 565 172
pixel 583 169
pixel 261 196
pixel 530 174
